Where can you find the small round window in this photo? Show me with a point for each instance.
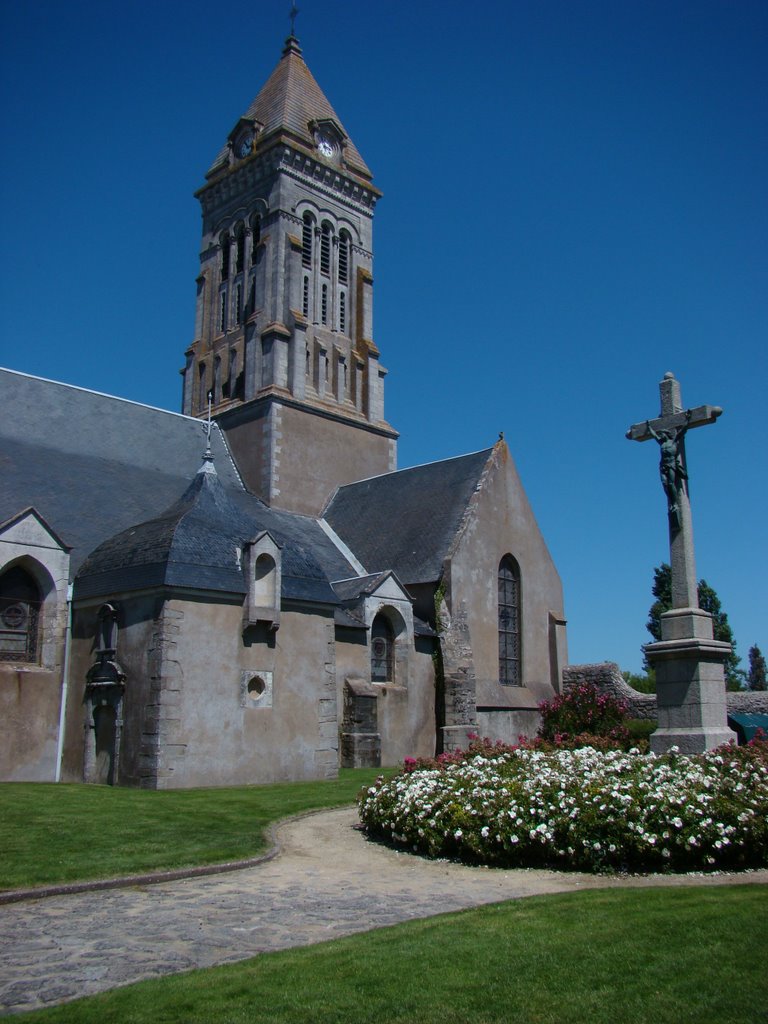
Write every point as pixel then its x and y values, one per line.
pixel 256 688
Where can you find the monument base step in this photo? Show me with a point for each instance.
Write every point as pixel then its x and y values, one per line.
pixel 690 741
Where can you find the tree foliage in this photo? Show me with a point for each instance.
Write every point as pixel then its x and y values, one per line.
pixel 708 602
pixel 756 675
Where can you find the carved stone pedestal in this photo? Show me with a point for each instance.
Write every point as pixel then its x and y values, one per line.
pixel 690 684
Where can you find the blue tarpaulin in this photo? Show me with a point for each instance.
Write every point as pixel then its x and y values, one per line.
pixel 746 726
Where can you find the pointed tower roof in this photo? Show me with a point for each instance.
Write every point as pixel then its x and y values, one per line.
pixel 290 103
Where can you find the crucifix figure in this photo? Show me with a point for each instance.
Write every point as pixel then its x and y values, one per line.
pixel 688 661
pixel 672 465
pixel 669 430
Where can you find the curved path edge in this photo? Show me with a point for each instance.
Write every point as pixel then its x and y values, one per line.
pixel 328 881
pixel 40 892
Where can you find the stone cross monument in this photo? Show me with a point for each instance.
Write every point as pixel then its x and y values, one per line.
pixel 690 680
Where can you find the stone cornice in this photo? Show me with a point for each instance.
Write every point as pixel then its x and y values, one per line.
pixel 242 412
pixel 287 155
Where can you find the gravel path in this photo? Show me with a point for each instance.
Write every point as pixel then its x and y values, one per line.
pixel 327 881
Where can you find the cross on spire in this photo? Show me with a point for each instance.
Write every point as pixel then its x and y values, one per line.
pixel 292 16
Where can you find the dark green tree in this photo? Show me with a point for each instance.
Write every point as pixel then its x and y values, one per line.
pixel 708 602
pixel 662 591
pixel 756 676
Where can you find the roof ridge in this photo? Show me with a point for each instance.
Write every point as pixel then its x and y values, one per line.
pixel 408 469
pixel 99 394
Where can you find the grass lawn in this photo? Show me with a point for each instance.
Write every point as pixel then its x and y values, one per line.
pixel 647 956
pixel 63 833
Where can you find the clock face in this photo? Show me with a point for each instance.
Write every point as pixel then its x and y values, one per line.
pixel 244 146
pixel 325 146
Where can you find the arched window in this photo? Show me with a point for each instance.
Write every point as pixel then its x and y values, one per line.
pixel 255 235
pixel 239 249
pixel 265 582
pixel 224 256
pixel 202 397
pixel 343 258
pixel 382 650
pixel 325 249
pixel 19 616
pixel 306 240
pixel 217 380
pixel 510 635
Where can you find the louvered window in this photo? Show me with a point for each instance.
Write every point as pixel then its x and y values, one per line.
pixel 306 241
pixel 223 311
pixel 325 250
pixel 224 257
pixel 324 304
pixel 342 313
pixel 343 258
pixel 305 297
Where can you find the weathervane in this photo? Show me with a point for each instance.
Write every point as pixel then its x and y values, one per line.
pixel 292 16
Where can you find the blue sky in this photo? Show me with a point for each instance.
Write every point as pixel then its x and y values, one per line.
pixel 574 203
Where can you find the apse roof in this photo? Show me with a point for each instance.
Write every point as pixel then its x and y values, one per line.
pixel 291 100
pixel 198 543
pixel 407 521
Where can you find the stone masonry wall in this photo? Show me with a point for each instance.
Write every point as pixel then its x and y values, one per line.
pixel 607 678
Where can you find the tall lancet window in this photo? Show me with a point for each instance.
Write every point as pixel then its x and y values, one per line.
pixel 224 256
pixel 306 240
pixel 510 633
pixel 343 258
pixel 239 249
pixel 325 249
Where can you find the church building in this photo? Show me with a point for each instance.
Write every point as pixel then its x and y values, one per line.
pixel 251 591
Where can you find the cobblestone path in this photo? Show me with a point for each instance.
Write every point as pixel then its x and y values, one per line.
pixel 327 881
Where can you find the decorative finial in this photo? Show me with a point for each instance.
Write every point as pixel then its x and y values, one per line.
pixel 208 454
pixel 501 435
pixel 292 16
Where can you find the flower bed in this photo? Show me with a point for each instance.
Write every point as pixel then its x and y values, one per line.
pixel 581 810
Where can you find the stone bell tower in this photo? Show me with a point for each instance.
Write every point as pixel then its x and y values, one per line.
pixel 284 326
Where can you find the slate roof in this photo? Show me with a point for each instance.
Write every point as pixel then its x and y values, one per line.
pixel 94 467
pixel 195 543
pixel 352 589
pixel 407 520
pixel 289 101
pixel 91 464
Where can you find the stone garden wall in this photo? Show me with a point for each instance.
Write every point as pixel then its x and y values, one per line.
pixel 607 678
